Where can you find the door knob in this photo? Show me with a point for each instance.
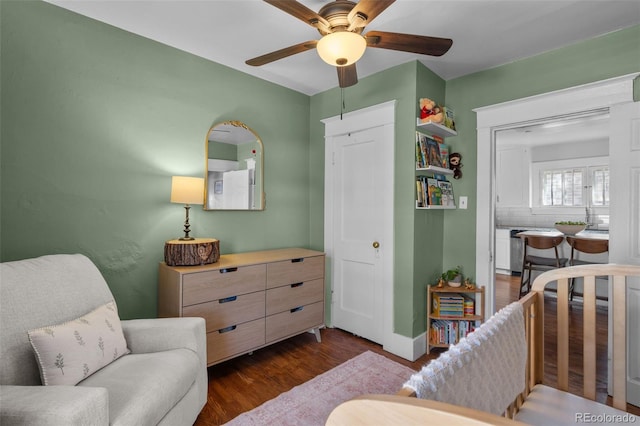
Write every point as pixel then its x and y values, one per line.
pixel 376 244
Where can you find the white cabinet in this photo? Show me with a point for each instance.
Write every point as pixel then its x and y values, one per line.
pixel 512 176
pixel 503 251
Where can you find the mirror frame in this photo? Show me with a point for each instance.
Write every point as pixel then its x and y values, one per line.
pixel 260 166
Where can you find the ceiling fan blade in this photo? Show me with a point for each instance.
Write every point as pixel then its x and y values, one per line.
pixel 434 46
pixel 369 9
pixel 282 53
pixel 302 12
pixel 347 76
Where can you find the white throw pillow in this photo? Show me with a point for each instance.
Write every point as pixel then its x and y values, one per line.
pixel 69 353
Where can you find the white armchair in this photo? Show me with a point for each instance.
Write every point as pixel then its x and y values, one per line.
pixel 163 380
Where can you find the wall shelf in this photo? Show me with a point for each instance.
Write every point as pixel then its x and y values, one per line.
pixel 436 128
pixel 435 170
pixel 434 207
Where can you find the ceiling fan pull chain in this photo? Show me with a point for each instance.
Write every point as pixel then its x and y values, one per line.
pixel 342 107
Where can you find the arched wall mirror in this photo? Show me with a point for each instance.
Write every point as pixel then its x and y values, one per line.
pixel 234 168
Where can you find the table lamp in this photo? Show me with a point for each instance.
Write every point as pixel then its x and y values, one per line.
pixel 187 190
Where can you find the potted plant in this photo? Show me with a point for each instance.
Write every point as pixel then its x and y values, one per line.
pixel 453 276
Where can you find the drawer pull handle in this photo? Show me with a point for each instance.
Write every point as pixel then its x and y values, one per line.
pixel 227 329
pixel 298 309
pixel 298 260
pixel 296 285
pixel 226 270
pixel 228 299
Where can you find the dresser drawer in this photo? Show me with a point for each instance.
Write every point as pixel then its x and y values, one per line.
pixel 291 296
pixel 221 283
pixel 227 343
pixel 294 271
pixel 294 321
pixel 229 311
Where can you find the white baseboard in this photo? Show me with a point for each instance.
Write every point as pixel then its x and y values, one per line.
pixel 407 347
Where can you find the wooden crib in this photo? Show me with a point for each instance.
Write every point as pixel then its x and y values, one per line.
pixel 538 403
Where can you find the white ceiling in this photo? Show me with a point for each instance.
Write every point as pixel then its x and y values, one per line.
pixel 590 127
pixel 485 33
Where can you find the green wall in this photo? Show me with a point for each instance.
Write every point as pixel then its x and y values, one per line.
pixel 428 224
pixel 96 120
pixel 604 57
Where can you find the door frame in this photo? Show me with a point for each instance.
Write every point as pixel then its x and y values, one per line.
pixel 490 119
pixel 381 115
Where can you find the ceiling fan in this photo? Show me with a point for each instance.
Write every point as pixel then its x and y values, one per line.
pixel 341 24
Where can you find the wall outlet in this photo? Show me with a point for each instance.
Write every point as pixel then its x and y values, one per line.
pixel 463 202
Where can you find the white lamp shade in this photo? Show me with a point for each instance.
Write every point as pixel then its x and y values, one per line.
pixel 341 48
pixel 187 190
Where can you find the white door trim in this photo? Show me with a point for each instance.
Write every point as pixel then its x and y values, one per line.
pixel 574 100
pixel 374 116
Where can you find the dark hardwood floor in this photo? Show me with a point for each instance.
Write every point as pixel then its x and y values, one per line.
pixel 244 383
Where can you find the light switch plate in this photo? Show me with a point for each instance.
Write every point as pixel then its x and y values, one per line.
pixel 463 202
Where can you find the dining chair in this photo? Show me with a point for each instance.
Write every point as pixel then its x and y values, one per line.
pixel 584 245
pixel 539 263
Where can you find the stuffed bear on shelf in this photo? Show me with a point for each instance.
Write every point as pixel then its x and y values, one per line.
pixel 430 112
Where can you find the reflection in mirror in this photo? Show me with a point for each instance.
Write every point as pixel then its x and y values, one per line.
pixel 234 156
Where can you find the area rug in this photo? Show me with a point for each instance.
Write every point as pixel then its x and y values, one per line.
pixel 310 403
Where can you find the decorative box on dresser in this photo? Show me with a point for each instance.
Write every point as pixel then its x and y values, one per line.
pixel 249 300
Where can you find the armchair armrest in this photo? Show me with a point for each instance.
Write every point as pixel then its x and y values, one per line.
pixel 162 334
pixel 53 406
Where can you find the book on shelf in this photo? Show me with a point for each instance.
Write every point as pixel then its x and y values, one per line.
pixel 420 192
pixel 443 332
pixel 434 192
pixel 448 305
pixel 449 118
pixel 446 193
pixel 427 152
pixel 444 155
pixel 444 151
pixel 420 154
pixel 431 191
pixel 469 306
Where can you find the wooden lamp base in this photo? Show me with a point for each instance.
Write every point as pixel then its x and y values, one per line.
pixel 199 251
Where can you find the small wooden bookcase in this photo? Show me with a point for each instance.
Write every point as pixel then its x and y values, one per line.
pixel 455 325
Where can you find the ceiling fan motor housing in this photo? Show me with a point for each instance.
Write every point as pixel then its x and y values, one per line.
pixel 336 13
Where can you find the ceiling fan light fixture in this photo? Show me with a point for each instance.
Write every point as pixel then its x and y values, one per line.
pixel 341 48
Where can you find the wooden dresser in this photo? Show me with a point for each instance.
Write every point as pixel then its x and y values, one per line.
pixel 249 300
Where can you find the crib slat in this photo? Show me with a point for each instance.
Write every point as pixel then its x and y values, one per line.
pixel 527 333
pixel 563 334
pixel 589 337
pixel 619 341
pixel 538 338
